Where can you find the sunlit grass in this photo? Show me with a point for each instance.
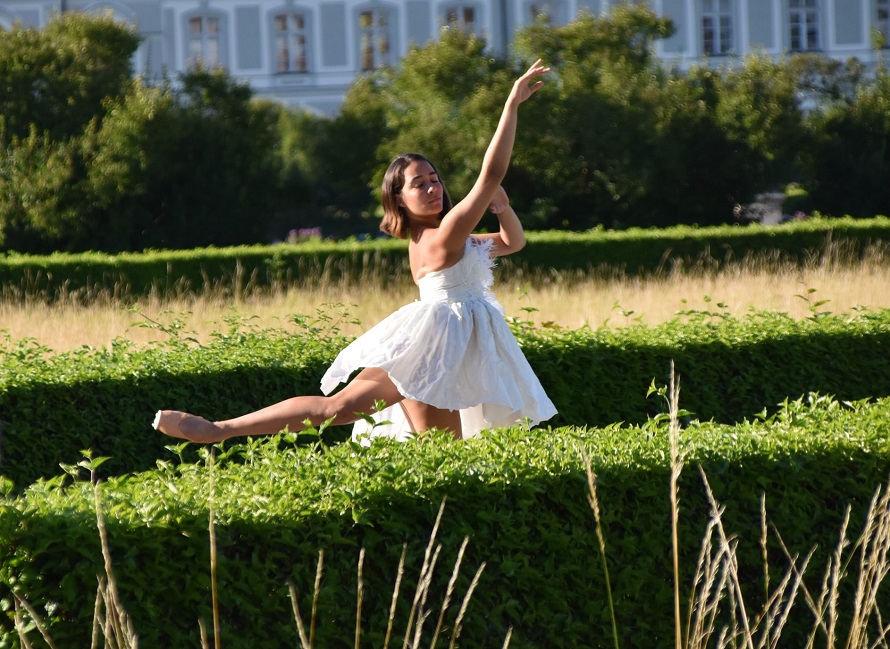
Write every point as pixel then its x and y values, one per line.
pixel 568 300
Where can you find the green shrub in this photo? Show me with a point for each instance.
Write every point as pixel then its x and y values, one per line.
pixel 54 405
pixel 519 497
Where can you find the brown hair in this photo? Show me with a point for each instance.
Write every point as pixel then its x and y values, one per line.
pixel 395 220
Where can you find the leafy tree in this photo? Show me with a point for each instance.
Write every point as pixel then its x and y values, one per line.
pixel 41 192
pixel 757 108
pixel 192 166
pixel 847 162
pixel 337 157
pixel 627 143
pixel 824 81
pixel 444 102
pixel 58 78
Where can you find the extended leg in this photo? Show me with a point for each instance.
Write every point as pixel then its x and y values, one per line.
pixel 359 396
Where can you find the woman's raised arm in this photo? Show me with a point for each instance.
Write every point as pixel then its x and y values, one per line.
pixel 464 217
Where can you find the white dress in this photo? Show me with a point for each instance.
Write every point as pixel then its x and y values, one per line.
pixel 451 349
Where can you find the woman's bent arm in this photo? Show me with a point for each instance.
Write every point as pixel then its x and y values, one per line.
pixel 511 237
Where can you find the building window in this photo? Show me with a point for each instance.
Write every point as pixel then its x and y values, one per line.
pixel 375 39
pixel 290 42
pixel 803 20
pixel 882 22
pixel 204 41
pixel 717 27
pixel 552 12
pixel 463 17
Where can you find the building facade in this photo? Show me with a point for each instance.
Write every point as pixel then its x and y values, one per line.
pixel 308 52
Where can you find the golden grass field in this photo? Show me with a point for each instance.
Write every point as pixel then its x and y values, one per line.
pixel 566 301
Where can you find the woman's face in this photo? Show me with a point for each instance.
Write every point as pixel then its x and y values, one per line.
pixel 422 193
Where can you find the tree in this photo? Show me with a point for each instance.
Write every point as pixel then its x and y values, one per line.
pixel 185 167
pixel 57 79
pixel 757 106
pixel 847 160
pixel 444 102
pixel 41 192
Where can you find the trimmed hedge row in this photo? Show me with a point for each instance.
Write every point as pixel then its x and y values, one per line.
pixel 53 406
pixel 520 499
pixel 240 269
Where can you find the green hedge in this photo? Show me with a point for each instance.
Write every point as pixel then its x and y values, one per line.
pixel 520 498
pixel 54 405
pixel 241 269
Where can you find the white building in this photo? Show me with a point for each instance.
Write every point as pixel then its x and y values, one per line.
pixel 307 52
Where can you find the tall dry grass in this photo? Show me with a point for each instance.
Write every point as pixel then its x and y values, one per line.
pixel 717 613
pixel 572 300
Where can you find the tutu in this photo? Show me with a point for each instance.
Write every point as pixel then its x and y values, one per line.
pixel 451 349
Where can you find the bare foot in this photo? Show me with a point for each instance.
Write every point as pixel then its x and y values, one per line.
pixel 185 426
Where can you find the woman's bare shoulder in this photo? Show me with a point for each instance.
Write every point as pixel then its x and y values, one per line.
pixel 428 253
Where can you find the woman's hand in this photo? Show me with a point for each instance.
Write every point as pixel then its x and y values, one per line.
pixel 499 202
pixel 522 90
pixel 510 237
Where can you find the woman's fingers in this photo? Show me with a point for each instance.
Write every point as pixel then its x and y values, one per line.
pixel 527 89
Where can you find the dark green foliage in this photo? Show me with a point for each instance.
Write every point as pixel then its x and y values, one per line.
pixel 56 80
pixel 444 102
pixel 731 368
pixel 625 143
pixel 43 186
pixel 91 159
pixel 848 154
pixel 328 163
pixel 519 497
pixel 182 168
pixel 57 85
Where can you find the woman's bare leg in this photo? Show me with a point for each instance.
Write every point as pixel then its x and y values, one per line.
pixel 423 416
pixel 359 396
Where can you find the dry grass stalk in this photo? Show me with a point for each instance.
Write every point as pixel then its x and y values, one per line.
pixel 20 627
pixel 425 575
pixel 202 628
pixel 301 629
pixel 117 626
pixel 319 569
pixel 97 612
pixel 359 596
pixel 593 500
pixel 449 591
pixel 764 557
pixel 418 614
pixel 676 470
pixel 603 297
pixel 716 586
pixel 463 608
pixel 395 596
pixel 423 588
pixel 211 515
pixel 20 604
pixel 307 642
pixel 872 547
pixel 728 547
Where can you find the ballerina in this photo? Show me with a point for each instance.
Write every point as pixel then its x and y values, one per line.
pixel 448 361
